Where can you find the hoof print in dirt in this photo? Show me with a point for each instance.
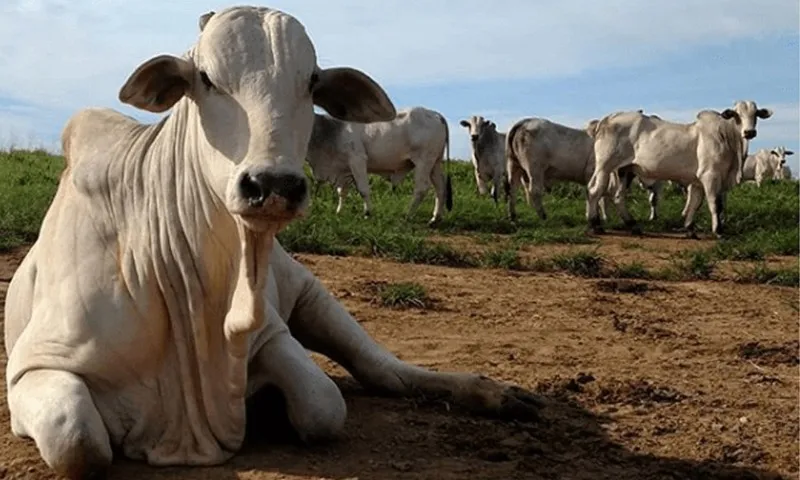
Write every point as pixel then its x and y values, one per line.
pixel 784 354
pixel 623 286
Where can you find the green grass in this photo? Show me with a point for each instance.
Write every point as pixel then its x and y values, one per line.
pixel 761 273
pixel 403 295
pixel 27 184
pixel 692 265
pixel 761 222
pixel 581 263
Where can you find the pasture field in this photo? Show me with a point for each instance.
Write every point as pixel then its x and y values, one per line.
pixel 655 356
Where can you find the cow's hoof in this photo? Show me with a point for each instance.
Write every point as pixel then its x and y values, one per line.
pixel 636 230
pixel 692 235
pixel 596 228
pixel 434 222
pixel 367 215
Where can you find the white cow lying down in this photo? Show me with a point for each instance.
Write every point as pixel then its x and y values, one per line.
pixel 156 299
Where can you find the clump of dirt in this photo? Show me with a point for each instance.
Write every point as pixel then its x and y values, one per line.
pixel 626 286
pixel 629 392
pixel 624 323
pixel 636 392
pixel 561 387
pixel 785 354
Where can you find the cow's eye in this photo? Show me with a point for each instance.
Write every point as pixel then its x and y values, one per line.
pixel 313 82
pixel 206 81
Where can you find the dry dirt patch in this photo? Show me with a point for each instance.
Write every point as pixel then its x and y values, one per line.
pixel 713 397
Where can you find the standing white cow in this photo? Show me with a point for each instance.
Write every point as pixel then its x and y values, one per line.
pixel 539 153
pixel 746 121
pixel 418 139
pixel 705 154
pixel 766 165
pixel 156 299
pixel 488 154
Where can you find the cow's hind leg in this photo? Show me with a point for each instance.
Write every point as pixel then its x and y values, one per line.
pixel 716 201
pixel 422 183
pixel 618 188
pixel 322 324
pixel 358 167
pixel 653 198
pixel 598 185
pixel 513 179
pixel 56 410
pixel 341 192
pixel 438 179
pixel 694 197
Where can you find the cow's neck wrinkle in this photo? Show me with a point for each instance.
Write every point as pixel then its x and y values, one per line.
pixel 194 248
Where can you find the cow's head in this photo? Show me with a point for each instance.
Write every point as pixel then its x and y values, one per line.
pixel 778 157
pixel 780 154
pixel 252 80
pixel 746 114
pixel 477 126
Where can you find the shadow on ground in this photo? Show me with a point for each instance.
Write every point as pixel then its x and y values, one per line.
pixel 401 438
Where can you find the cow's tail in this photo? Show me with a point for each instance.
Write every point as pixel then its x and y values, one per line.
pixel 448 183
pixel 512 161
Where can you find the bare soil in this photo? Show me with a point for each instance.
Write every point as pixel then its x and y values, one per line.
pixel 641 380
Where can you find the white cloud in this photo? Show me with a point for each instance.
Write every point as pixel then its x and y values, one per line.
pixel 65 54
pixel 72 53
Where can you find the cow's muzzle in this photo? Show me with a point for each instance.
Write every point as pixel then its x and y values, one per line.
pixel 749 134
pixel 270 191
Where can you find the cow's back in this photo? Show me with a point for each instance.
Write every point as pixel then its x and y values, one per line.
pixel 415 132
pixel 563 152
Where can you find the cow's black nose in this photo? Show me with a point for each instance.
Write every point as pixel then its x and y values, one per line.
pixel 253 190
pixel 257 187
pixel 474 138
pixel 749 134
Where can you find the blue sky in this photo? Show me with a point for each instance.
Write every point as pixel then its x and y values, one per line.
pixel 569 61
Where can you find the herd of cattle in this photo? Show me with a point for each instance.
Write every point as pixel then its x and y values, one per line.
pixel 705 158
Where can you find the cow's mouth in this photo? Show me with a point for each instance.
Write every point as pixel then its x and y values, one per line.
pixel 272 215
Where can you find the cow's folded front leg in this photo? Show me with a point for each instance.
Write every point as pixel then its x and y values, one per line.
pixel 56 410
pixel 315 406
pixel 322 324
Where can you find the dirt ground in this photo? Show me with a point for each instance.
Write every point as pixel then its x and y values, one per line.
pixel 641 380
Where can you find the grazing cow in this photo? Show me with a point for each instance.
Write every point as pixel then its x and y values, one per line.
pixel 539 153
pixel 706 153
pixel 746 120
pixel 488 153
pixel 156 298
pixel 766 165
pixel 418 139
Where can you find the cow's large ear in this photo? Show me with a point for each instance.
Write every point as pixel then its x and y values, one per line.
pixel 763 113
pixel 591 127
pixel 204 18
pixel 464 123
pixel 349 94
pixel 729 113
pixel 158 83
pixel 788 152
